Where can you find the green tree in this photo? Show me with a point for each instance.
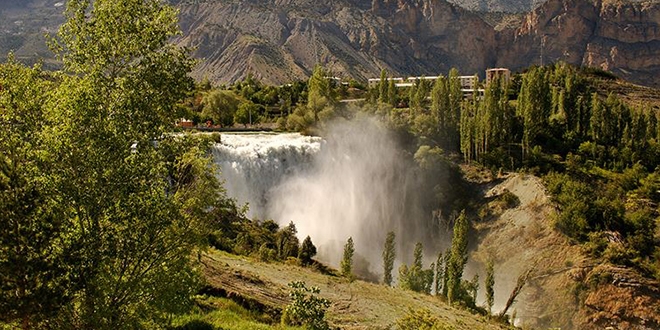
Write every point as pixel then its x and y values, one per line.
pixel 137 200
pixel 347 260
pixel 445 277
pixel 458 257
pixel 287 242
pixel 220 106
pixel 247 113
pixel 534 105
pixel 421 92
pixel 307 251
pixel 489 285
pixel 389 254
pixel 35 282
pixel 321 102
pixel 392 93
pixel 439 274
pixel 382 87
pixel 321 98
pixel 415 277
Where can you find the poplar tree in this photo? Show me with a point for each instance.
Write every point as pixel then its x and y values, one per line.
pixel 534 105
pixel 415 277
pixel 458 258
pixel 392 93
pixel 347 259
pixel 489 285
pixel 307 251
pixel 421 93
pixel 439 274
pixel 445 274
pixel 412 100
pixel 389 255
pixel 382 87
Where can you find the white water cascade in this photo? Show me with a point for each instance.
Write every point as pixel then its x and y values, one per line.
pixel 355 183
pixel 252 164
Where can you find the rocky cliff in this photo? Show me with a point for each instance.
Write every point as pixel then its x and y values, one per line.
pixel 567 289
pixel 282 40
pixel 620 37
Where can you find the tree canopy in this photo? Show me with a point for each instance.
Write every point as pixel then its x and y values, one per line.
pixel 105 208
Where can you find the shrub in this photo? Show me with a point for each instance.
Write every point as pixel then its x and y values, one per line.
pixel 307 251
pixel 421 319
pixel 305 308
pixel 509 198
pixel 267 254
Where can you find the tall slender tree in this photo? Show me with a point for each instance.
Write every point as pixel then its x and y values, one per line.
pixel 534 105
pixel 347 259
pixel 389 255
pixel 489 285
pixel 458 257
pixel 382 87
pixel 439 274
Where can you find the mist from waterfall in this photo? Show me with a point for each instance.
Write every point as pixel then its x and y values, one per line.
pixel 358 182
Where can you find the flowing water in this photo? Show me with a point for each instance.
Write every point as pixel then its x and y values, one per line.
pixel 354 183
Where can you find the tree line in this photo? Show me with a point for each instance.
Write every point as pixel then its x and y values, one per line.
pixel 598 153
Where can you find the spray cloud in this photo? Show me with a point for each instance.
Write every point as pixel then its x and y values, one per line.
pixel 359 182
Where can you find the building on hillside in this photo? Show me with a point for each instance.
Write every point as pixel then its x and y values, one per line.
pixel 498 73
pixel 468 82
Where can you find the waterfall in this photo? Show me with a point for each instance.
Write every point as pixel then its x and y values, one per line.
pixel 252 164
pixel 357 182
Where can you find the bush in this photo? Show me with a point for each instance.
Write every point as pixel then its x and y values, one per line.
pixel 267 254
pixel 510 199
pixel 305 308
pixel 421 319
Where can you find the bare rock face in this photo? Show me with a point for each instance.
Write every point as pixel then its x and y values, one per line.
pixel 282 40
pixel 620 37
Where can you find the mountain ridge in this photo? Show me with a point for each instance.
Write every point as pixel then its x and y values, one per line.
pixel 279 41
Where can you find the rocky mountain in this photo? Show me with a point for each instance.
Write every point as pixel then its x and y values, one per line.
pixel 24 25
pixel 507 6
pixel 620 37
pixel 281 40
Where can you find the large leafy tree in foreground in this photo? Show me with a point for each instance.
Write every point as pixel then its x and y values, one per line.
pixel 116 206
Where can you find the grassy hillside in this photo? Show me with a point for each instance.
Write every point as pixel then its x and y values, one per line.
pixel 355 305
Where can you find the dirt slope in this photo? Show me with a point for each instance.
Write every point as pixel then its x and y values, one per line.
pixel 567 290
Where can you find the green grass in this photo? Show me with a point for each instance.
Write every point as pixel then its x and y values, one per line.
pixel 221 313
